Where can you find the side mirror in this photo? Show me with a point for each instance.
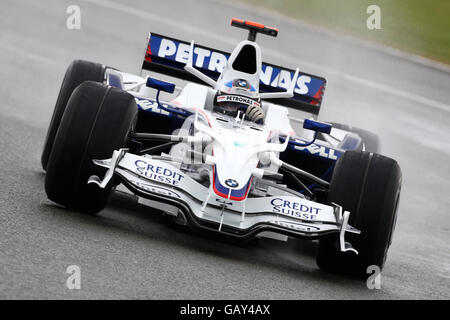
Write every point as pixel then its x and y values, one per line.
pixel 317 126
pixel 166 87
pixel 160 85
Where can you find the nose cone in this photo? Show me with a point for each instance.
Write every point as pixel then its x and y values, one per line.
pixel 230 188
pixel 232 172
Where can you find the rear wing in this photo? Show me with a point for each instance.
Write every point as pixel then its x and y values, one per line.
pixel 168 56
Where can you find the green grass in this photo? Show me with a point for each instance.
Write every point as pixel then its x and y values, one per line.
pixel 421 27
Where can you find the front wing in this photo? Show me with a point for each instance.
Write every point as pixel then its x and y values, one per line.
pixel 201 208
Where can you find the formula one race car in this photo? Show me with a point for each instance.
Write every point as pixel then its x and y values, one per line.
pixel 223 156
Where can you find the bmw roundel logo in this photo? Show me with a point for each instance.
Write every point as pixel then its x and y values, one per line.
pixel 242 83
pixel 231 183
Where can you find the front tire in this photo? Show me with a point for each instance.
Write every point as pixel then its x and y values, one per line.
pixel 77 72
pixel 96 122
pixel 368 185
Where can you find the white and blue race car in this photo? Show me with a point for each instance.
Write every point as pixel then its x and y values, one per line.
pixel 253 171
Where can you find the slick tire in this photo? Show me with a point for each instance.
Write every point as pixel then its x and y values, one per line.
pixel 77 72
pixel 97 121
pixel 368 185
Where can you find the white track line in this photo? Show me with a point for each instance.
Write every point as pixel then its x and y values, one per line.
pixel 357 80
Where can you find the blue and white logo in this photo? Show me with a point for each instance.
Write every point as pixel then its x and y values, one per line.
pixel 242 83
pixel 231 183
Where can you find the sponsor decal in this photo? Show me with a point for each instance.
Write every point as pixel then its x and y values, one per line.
pixel 232 183
pixel 296 226
pixel 294 209
pixel 239 99
pixel 149 105
pixel 203 58
pixel 211 60
pixel 156 189
pixel 158 173
pixel 277 78
pixel 320 151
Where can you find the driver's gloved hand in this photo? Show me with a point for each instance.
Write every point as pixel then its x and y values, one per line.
pixel 255 114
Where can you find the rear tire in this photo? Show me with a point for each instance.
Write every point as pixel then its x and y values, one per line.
pixel 77 72
pixel 368 185
pixel 96 122
pixel 371 142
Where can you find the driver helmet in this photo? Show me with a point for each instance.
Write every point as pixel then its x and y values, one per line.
pixel 239 95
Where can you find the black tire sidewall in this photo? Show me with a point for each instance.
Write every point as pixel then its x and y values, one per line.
pixel 368 185
pixel 96 122
pixel 77 72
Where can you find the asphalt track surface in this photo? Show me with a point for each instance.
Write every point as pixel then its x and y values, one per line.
pixel 130 252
